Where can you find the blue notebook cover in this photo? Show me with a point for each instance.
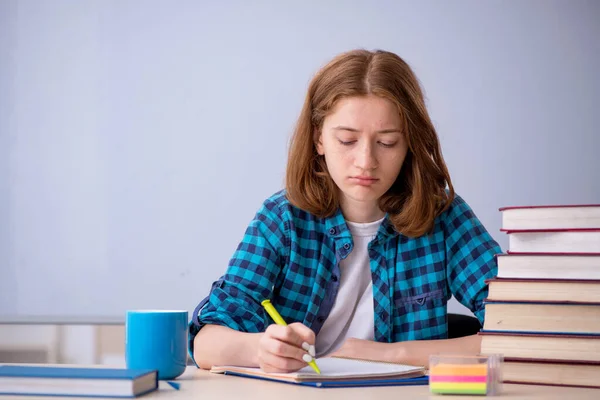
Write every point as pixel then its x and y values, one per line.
pixel 420 380
pixel 54 381
pixel 68 372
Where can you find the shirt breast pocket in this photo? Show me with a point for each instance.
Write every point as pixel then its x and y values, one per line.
pixel 421 316
pixel 424 301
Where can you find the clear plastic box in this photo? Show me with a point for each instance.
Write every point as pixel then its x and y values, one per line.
pixel 474 375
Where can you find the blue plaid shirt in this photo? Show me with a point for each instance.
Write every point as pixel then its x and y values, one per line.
pixel 292 257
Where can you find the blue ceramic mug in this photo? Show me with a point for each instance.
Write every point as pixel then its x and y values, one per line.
pixel 156 339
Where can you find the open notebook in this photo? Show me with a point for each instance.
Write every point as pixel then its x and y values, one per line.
pixel 338 372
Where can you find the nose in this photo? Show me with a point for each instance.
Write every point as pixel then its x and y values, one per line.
pixel 365 157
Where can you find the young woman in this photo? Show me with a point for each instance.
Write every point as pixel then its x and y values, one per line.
pixel 362 250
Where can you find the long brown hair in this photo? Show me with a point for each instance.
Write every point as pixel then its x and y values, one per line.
pixel 419 193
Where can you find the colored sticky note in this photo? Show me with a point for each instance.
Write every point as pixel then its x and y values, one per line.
pixel 459 369
pixel 458 379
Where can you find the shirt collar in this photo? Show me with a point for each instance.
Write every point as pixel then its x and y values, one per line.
pixel 336 227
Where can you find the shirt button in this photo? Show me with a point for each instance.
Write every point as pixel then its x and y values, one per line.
pixel 347 246
pixel 320 320
pixel 332 231
pixel 334 278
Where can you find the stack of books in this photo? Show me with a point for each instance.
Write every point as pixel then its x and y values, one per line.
pixel 543 308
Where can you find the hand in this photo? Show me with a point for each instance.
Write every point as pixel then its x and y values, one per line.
pixel 286 348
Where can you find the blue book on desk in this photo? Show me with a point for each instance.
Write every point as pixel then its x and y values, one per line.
pixel 43 380
pixel 338 373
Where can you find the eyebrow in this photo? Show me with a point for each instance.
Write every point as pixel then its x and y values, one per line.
pixel 347 128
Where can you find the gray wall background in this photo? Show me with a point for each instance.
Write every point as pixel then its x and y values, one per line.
pixel 138 138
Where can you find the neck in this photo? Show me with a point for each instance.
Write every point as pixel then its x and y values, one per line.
pixel 361 212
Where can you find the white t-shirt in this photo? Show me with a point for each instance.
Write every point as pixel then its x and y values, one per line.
pixel 352 315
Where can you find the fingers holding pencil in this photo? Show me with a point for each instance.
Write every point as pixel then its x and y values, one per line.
pixel 302 330
pixel 286 348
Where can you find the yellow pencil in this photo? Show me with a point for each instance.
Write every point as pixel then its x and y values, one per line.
pixel 279 321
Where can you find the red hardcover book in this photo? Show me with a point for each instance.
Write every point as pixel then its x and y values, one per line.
pixel 549 347
pixel 554 241
pixel 549 266
pixel 512 316
pixel 544 290
pixel 556 373
pixel 550 217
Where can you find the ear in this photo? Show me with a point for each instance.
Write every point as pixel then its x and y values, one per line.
pixel 319 143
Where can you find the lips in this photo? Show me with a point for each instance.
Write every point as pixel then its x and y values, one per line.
pixel 364 180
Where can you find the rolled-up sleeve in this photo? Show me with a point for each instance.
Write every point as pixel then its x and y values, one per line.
pixel 234 299
pixel 471 257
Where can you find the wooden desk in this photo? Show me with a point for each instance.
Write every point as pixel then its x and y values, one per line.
pixel 200 385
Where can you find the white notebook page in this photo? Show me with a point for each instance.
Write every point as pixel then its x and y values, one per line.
pixel 333 368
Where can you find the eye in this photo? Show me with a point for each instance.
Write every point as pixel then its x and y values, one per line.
pixel 387 145
pixel 348 143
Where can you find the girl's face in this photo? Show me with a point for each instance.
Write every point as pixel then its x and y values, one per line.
pixel 364 148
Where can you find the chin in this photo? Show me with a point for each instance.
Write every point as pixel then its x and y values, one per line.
pixel 363 194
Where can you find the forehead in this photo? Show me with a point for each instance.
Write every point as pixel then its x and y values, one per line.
pixel 372 112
